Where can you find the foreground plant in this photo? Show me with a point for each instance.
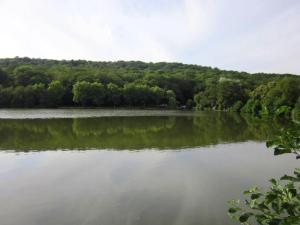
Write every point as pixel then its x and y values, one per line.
pixel 280 204
pixel 288 142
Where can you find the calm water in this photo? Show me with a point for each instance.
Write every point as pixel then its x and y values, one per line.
pixel 106 167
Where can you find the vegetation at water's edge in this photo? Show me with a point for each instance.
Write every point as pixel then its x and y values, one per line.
pixel 280 205
pixel 26 82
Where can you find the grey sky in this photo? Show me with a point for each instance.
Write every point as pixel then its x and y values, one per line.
pixel 249 35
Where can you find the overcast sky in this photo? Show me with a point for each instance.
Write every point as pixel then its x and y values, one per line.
pixel 248 35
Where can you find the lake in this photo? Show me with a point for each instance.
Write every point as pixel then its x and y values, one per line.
pixel 131 167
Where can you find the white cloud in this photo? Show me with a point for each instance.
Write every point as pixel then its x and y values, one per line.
pixel 271 47
pixel 248 35
pixel 98 29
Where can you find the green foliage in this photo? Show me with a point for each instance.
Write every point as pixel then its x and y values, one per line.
pixel 172 103
pixel 138 94
pixel 237 106
pixel 86 93
pixel 296 110
pixel 29 96
pixel 157 95
pixel 207 99
pixel 280 204
pixel 275 98
pixel 114 94
pixel 283 111
pixel 290 88
pixel 5 96
pixel 229 92
pixel 272 100
pixel 197 100
pixel 3 77
pixel 287 142
pixel 252 106
pixel 190 104
pixel 55 93
pixel 145 84
pixel 26 75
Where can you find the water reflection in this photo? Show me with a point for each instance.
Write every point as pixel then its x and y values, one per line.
pixel 132 188
pixel 159 132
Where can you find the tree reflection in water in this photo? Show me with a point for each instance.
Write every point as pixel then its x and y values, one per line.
pixel 134 133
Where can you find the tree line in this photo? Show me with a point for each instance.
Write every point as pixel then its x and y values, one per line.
pixel 26 82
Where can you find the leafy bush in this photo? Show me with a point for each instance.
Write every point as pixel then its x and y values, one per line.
pixel 280 204
pixel 287 142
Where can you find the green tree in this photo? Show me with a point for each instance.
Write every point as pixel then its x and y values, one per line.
pixel 18 97
pixel 197 100
pixel 88 94
pixel 252 106
pixel 272 100
pixel 3 77
pixel 136 94
pixel 229 92
pixel 114 95
pixel 171 97
pixel 56 92
pixel 146 84
pixel 157 95
pixel 296 110
pixel 6 95
pixel 26 75
pixel 40 94
pixel 290 87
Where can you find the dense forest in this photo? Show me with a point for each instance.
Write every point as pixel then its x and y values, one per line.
pixel 26 82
